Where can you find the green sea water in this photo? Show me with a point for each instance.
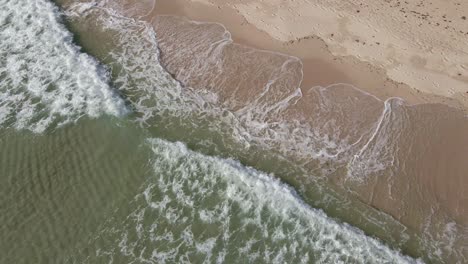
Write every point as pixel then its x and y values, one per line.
pixel 108 159
pixel 57 188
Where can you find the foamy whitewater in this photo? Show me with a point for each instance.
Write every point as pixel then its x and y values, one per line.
pixel 44 78
pixel 205 209
pixel 132 165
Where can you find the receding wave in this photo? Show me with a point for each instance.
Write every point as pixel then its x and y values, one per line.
pixel 188 81
pixel 385 153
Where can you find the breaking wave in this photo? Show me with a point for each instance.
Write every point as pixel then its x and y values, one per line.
pixel 45 80
pixel 254 100
pixel 198 208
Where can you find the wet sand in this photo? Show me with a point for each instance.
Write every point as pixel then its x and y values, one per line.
pixel 243 78
pixel 405 158
pixel 431 60
pixel 312 50
pixel 321 68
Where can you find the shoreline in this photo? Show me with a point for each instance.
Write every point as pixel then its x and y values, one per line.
pixel 320 66
pixel 183 39
pixel 178 38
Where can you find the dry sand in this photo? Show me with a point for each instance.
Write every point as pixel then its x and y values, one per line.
pixel 411 49
pixel 388 49
pixel 323 68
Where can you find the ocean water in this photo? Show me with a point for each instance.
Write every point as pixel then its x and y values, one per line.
pixel 128 140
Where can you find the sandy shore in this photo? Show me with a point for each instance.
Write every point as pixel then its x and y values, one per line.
pixel 320 67
pixel 406 160
pixel 384 48
pixel 428 182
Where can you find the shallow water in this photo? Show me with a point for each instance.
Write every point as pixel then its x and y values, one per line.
pixel 117 161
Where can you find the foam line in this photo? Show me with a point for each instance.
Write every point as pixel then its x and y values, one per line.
pixel 45 79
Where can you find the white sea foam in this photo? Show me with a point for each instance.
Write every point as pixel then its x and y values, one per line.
pixel 335 137
pixel 154 92
pixel 210 209
pixel 380 150
pixel 157 92
pixel 44 78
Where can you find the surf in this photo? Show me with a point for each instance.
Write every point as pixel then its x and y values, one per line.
pixel 202 208
pixel 330 157
pixel 331 136
pixel 46 81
